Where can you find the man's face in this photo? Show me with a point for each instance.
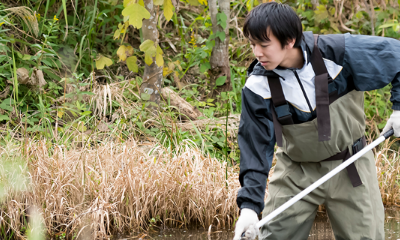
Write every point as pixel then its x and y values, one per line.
pixel 270 54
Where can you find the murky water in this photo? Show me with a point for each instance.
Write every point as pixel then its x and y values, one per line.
pixel 321 230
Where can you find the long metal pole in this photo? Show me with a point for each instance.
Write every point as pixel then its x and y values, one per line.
pixel 324 179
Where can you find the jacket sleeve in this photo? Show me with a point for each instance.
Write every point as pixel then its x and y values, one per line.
pixel 373 62
pixel 256 142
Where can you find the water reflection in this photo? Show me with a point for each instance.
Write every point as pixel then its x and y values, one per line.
pixel 392 224
pixel 321 230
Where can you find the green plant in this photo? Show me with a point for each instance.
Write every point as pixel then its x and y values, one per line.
pixel 378 107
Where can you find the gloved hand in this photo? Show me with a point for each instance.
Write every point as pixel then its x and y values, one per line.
pixel 247 222
pixel 393 122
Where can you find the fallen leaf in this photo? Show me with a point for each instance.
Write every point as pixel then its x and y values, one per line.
pixel 23 75
pixel 40 82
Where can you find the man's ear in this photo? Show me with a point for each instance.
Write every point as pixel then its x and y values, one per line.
pixel 290 43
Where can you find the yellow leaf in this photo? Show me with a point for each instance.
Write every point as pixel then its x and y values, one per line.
pixel 166 71
pixel 159 60
pixel 121 53
pixel 158 2
pixel 159 50
pixel 168 9
pixel 129 2
pixel 193 2
pixel 1 23
pixel 203 2
pixel 125 26
pixel 60 113
pixel 148 47
pixel 103 61
pixel 121 29
pixel 141 2
pixel 117 34
pixel 136 14
pixel 124 52
pixel 129 50
pixel 131 62
pixel 148 60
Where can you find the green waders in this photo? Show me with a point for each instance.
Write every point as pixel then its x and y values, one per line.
pixel 306 153
pixel 354 212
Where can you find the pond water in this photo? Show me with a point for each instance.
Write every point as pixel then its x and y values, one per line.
pixel 321 230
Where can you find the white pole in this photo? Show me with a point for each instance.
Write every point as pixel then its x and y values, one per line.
pixel 322 180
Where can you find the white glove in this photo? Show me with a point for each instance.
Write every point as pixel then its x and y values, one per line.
pixel 247 222
pixel 393 122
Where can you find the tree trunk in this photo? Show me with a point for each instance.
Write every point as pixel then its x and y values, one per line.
pixel 220 54
pixel 152 77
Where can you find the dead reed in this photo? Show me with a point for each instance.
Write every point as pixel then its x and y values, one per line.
pixel 126 187
pixel 119 188
pixel 387 165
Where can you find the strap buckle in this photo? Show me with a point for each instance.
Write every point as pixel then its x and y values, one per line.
pixel 357 146
pixel 283 111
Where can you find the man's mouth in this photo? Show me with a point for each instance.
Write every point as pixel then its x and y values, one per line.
pixel 263 62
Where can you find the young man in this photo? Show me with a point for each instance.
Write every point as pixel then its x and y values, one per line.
pixel 305 93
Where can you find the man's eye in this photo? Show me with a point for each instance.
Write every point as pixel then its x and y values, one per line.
pixel 264 46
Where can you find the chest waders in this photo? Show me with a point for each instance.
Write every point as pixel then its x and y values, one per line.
pixel 309 150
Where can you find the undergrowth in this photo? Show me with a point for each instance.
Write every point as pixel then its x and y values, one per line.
pixel 116 188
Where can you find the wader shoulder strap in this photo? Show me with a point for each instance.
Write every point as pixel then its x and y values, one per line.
pixel 280 108
pixel 321 93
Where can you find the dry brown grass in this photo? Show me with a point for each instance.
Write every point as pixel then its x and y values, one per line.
pixel 27 16
pixel 387 165
pixel 117 187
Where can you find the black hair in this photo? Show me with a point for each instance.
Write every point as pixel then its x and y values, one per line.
pixel 278 18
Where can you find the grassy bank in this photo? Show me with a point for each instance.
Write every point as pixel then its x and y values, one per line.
pixel 116 187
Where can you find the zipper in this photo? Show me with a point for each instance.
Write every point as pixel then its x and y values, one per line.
pixel 304 92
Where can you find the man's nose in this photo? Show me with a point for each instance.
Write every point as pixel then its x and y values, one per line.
pixel 257 50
